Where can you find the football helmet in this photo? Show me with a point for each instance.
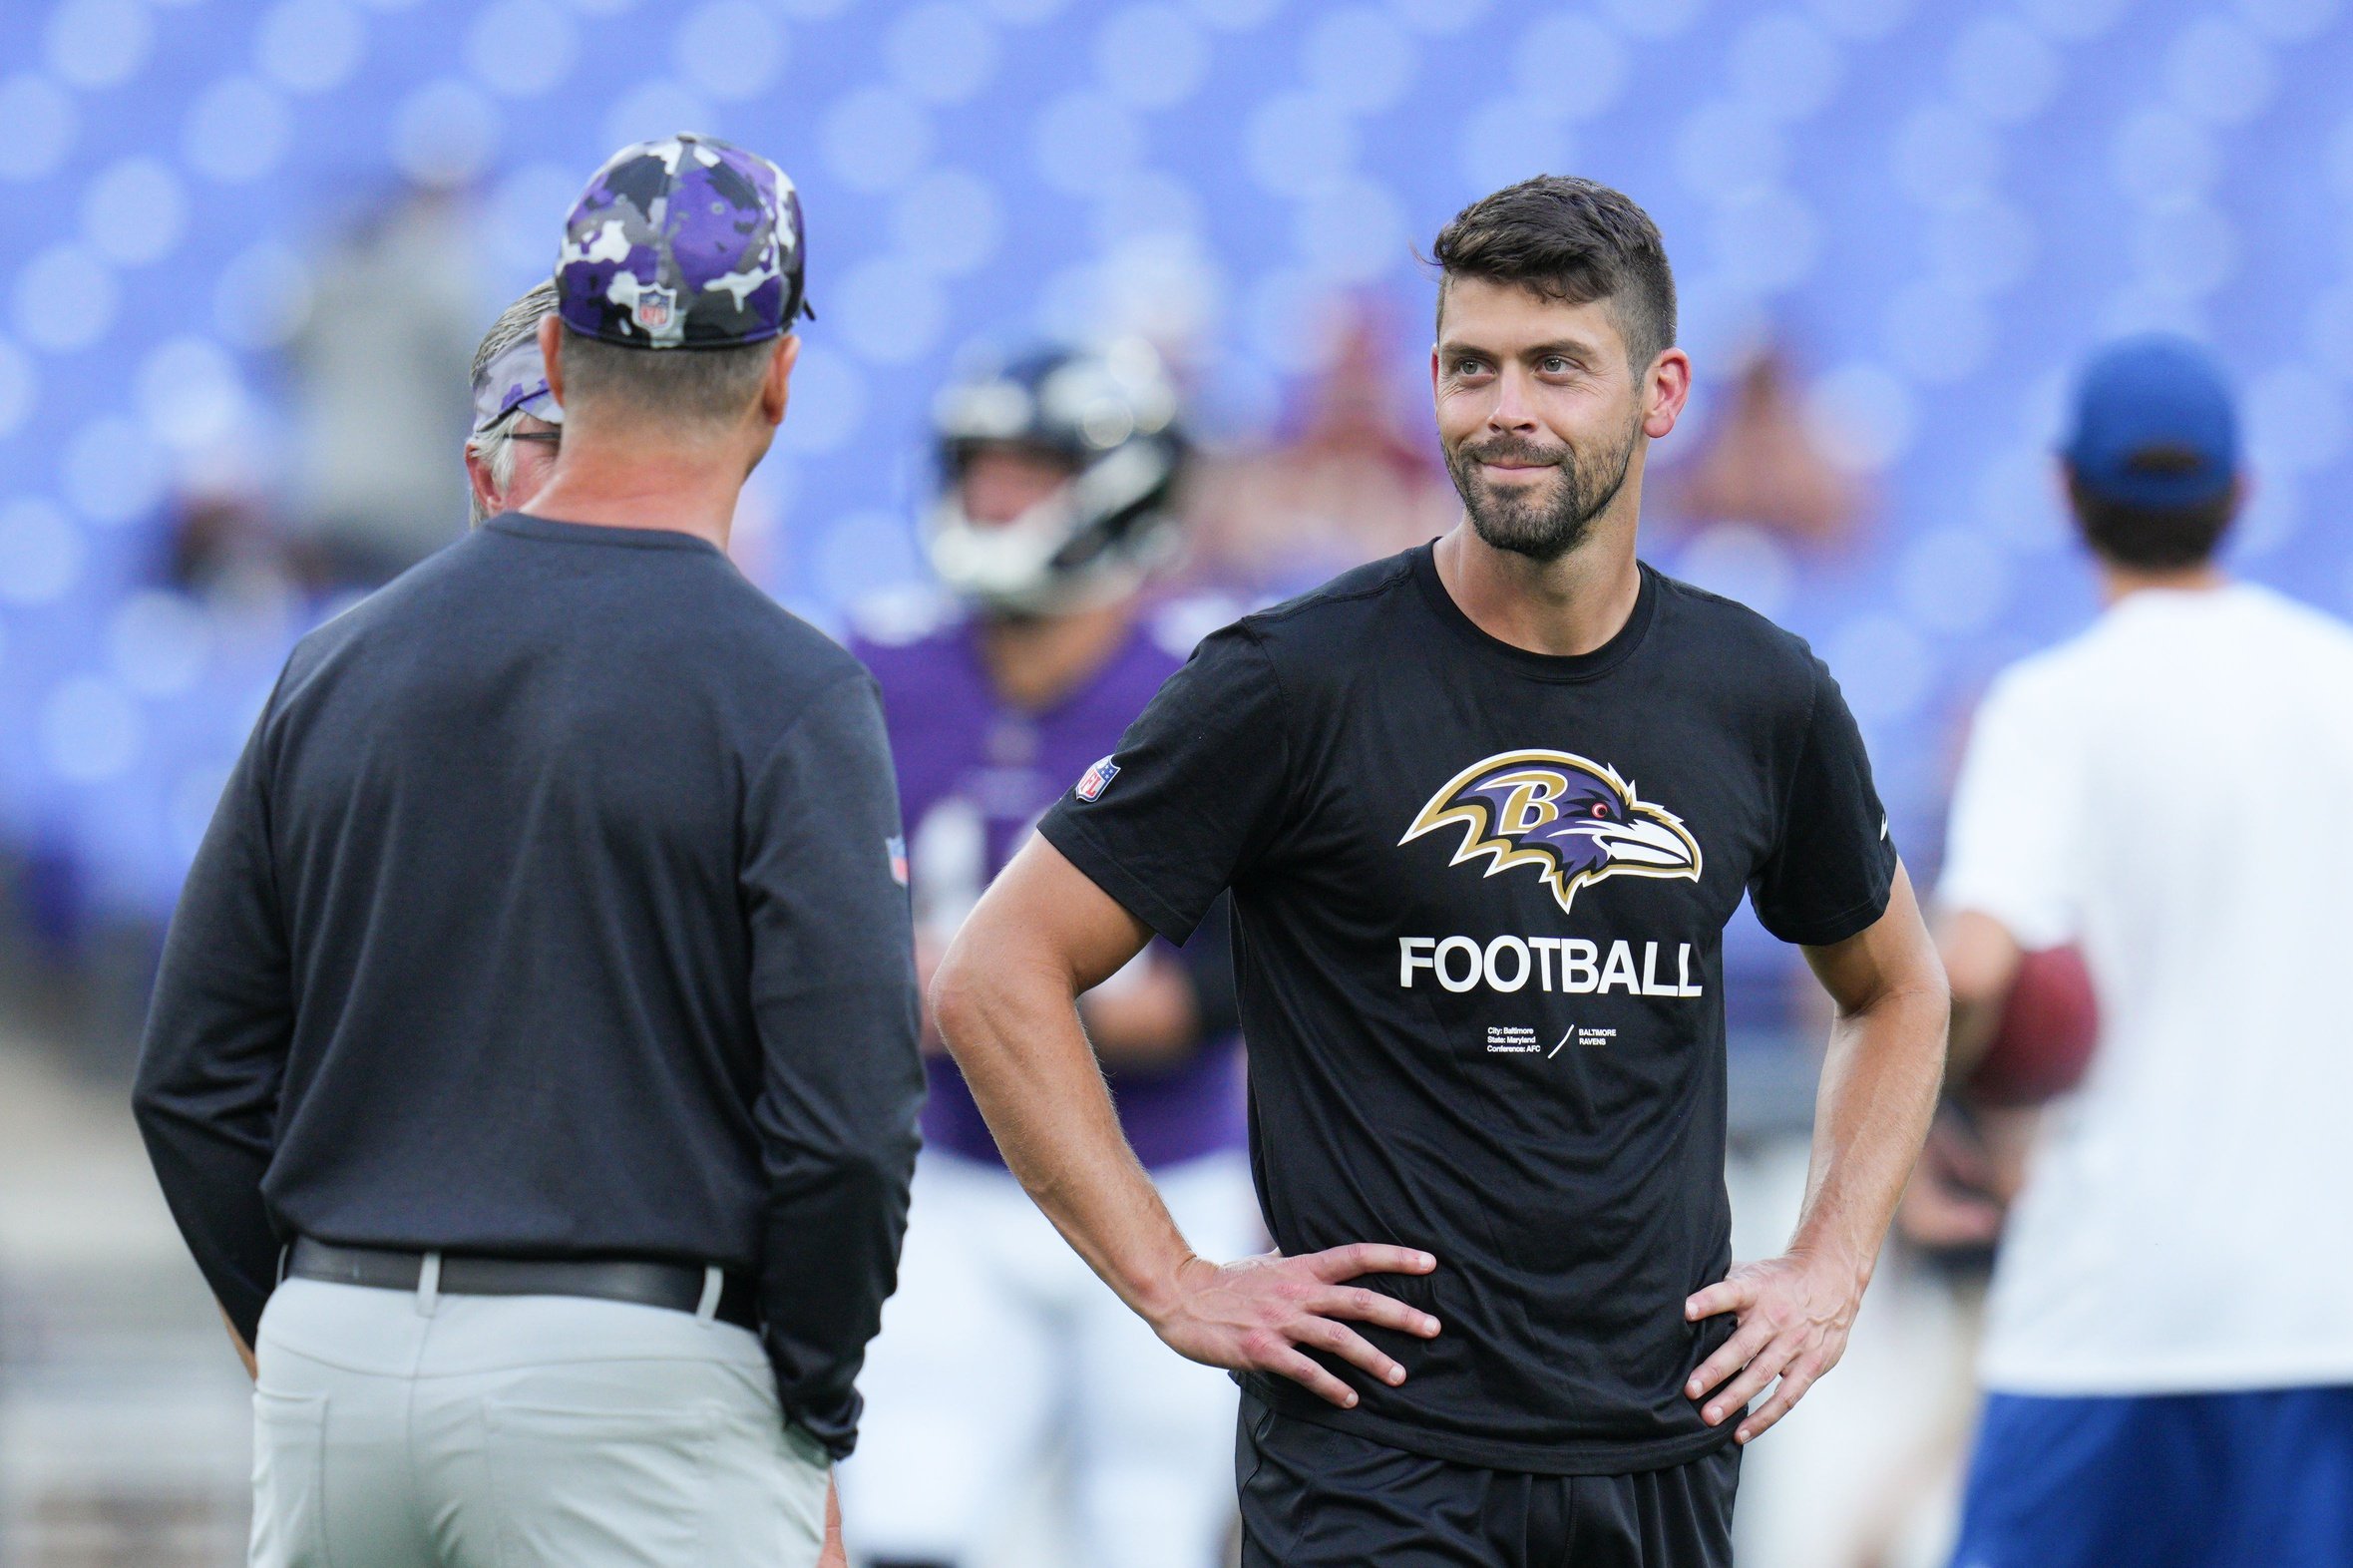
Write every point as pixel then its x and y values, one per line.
pixel 1109 412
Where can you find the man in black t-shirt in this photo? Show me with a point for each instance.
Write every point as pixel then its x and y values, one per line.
pixel 1484 809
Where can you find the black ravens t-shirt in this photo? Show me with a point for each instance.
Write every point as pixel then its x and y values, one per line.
pixel 1479 897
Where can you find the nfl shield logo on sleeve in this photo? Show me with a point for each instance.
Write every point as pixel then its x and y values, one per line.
pixel 895 848
pixel 1097 779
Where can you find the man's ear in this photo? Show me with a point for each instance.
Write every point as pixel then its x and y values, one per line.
pixel 485 488
pixel 552 351
pixel 776 390
pixel 1666 388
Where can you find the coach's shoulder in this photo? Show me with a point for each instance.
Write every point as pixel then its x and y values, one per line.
pixel 803 654
pixel 742 641
pixel 358 625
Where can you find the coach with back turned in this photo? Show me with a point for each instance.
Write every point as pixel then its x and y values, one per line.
pixel 533 1064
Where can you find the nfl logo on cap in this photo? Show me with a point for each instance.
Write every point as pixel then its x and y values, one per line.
pixel 653 309
pixel 1097 779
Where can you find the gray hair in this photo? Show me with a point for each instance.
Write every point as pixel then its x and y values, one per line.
pixel 684 386
pixel 496 445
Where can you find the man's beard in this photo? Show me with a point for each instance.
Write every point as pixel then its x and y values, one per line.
pixel 1551 517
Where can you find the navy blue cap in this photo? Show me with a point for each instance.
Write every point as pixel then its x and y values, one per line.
pixel 2154 393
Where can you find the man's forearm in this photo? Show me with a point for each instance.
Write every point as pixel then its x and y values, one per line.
pixel 837 1134
pixel 1878 1092
pixel 1015 1032
pixel 842 1226
pixel 210 1177
pixel 1006 1000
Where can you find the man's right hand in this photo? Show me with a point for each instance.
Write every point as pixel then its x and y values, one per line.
pixel 833 1555
pixel 1006 997
pixel 1256 1315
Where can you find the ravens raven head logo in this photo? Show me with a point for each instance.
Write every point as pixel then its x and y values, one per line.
pixel 1575 821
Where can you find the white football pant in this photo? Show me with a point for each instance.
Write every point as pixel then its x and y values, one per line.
pixel 1001 1344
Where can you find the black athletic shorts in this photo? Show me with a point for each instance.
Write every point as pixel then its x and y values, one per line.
pixel 1312 1497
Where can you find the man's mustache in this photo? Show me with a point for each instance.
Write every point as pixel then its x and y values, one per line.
pixel 1510 451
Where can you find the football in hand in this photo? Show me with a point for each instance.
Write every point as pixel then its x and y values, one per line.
pixel 2049 1026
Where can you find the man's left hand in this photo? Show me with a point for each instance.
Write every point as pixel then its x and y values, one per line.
pixel 1794 1314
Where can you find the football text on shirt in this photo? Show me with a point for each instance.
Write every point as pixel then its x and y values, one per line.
pixel 1572 964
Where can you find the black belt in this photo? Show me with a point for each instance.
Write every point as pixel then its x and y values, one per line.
pixel 670 1285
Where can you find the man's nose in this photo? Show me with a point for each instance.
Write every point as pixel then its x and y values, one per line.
pixel 1512 409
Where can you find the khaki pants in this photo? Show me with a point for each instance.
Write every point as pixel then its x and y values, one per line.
pixel 405 1429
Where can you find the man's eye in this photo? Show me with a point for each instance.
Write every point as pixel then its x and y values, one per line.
pixel 1555 365
pixel 1468 367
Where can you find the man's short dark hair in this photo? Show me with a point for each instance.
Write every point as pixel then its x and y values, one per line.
pixel 2153 539
pixel 1568 240
pixel 702 385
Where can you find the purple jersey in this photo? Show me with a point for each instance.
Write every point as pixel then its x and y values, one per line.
pixel 975 774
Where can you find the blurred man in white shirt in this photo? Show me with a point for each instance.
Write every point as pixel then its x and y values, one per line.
pixel 2169 1354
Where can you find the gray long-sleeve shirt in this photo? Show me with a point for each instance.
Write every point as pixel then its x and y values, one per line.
pixel 556 910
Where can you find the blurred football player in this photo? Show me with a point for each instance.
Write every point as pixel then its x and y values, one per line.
pixel 2168 1353
pixel 517 425
pixel 1056 471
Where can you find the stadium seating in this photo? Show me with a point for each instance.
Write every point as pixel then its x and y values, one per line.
pixel 1938 207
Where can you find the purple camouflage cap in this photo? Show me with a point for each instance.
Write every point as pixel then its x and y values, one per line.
pixel 516 379
pixel 686 242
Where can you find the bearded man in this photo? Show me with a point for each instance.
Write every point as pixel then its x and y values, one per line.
pixel 1483 809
